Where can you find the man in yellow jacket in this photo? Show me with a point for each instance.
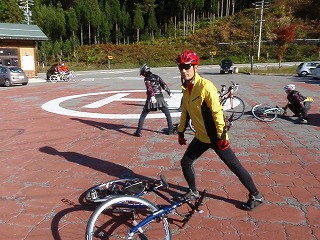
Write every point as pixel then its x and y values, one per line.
pixel 201 103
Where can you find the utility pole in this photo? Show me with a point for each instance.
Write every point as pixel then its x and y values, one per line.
pixel 260 5
pixel 25 6
pixel 260 30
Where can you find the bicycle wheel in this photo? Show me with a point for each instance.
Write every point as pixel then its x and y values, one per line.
pixel 53 78
pixel 233 106
pixel 102 191
pixel 114 219
pixel 264 112
pixel 191 126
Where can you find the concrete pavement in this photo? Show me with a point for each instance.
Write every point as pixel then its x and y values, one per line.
pixel 49 160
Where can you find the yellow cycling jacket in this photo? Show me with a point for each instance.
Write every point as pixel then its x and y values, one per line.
pixel 204 109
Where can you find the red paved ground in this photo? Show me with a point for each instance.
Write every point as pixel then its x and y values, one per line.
pixel 49 160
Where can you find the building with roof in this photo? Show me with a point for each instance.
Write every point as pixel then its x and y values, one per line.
pixel 18 46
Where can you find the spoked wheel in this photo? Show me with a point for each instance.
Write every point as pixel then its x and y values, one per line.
pixel 233 106
pixel 117 217
pixel 102 191
pixel 264 112
pixel 54 78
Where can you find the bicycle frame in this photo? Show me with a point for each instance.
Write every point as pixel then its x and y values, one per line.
pixel 277 109
pixel 163 209
pixel 229 94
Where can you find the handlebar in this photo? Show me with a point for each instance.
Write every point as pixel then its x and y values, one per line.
pixel 234 87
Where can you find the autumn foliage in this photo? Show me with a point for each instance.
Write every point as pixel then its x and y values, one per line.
pixel 283 36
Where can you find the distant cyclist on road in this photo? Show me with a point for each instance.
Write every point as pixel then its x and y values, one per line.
pixel 155 100
pixel 201 104
pixel 297 103
pixel 62 68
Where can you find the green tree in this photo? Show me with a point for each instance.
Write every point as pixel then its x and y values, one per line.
pixel 95 18
pixel 37 14
pixel 84 18
pixel 108 23
pixel 115 15
pixel 56 48
pixel 125 23
pixel 73 27
pixel 138 21
pixel 152 22
pixel 59 24
pixel 10 12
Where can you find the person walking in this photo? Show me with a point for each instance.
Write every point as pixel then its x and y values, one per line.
pixel 155 100
pixel 297 103
pixel 201 104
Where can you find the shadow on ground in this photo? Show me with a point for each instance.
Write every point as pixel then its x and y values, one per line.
pixel 111 169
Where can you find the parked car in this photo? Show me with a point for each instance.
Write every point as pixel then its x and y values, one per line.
pixel 51 71
pixel 226 66
pixel 11 75
pixel 316 72
pixel 305 68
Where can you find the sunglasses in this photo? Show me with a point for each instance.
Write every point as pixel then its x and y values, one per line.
pixel 184 66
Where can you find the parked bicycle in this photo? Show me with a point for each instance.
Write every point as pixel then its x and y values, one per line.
pixel 62 77
pixel 267 113
pixel 233 106
pixel 124 214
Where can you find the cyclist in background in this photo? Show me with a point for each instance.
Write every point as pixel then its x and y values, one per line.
pixel 155 99
pixel 297 103
pixel 201 104
pixel 62 68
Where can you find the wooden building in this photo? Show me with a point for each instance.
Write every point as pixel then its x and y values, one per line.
pixel 18 46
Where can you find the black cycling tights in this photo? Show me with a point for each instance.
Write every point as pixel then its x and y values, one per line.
pixel 197 148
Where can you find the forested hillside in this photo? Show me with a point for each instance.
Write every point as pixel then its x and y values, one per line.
pixel 89 30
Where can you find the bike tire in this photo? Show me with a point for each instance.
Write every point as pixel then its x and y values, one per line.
pixel 264 112
pixel 115 217
pixel 233 107
pixel 191 126
pixel 101 192
pixel 53 78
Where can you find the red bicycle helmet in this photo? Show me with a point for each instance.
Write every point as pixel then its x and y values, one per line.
pixel 188 57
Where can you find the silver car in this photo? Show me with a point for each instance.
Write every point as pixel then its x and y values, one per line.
pixel 305 68
pixel 11 75
pixel 316 72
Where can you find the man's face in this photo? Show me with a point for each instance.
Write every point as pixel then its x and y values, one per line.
pixel 187 71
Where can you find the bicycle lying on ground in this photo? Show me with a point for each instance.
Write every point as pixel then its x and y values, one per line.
pixel 124 214
pixel 233 106
pixel 61 77
pixel 267 113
